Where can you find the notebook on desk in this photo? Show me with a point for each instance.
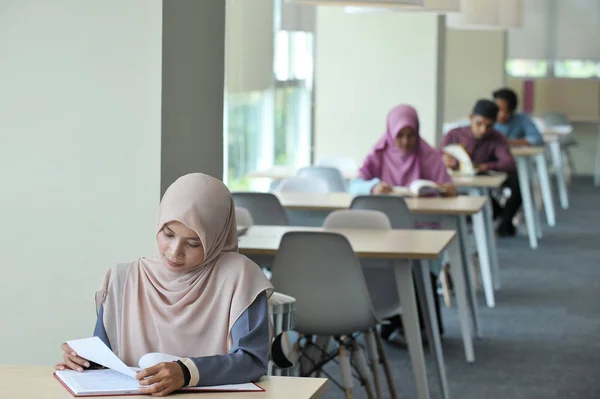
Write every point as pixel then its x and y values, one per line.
pixel 118 379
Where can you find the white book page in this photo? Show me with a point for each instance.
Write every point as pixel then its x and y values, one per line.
pixel 95 350
pixel 98 382
pixel 457 151
pixel 152 359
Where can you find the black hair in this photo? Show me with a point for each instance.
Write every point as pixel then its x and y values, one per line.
pixel 509 96
pixel 486 108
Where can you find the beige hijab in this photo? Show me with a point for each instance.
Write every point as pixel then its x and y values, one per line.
pixel 148 308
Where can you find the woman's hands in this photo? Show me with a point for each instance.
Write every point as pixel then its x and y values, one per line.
pixel 71 361
pixel 449 190
pixel 164 378
pixel 382 188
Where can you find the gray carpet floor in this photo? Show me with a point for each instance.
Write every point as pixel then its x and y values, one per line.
pixel 543 338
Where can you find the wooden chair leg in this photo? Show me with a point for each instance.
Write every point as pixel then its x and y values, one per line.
pixel 446 286
pixel 374 360
pixel 360 364
pixel 386 368
pixel 345 370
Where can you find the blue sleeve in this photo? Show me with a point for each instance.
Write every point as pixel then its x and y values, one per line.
pixel 249 356
pixel 362 187
pixel 530 131
pixel 99 330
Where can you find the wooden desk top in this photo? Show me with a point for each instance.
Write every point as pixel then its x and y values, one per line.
pixel 462 205
pixel 37 382
pixel 491 181
pixel 367 243
pixel 526 151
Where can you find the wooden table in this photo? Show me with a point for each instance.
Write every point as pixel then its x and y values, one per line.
pixel 37 382
pixel 585 120
pixel 454 212
pixel 400 246
pixel 524 157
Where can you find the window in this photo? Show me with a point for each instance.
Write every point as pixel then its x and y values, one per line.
pixel 527 68
pixel 272 127
pixel 575 69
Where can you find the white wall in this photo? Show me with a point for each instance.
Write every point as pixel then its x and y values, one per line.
pixel 474 69
pixel 79 160
pixel 366 64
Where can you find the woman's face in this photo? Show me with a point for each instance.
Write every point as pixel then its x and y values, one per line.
pixel 407 139
pixel 180 247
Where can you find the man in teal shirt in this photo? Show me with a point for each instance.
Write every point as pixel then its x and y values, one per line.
pixel 518 128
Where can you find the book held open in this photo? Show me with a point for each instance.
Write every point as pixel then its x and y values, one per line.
pixel 419 188
pixel 118 378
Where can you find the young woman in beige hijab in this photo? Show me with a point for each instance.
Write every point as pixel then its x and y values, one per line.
pixel 199 299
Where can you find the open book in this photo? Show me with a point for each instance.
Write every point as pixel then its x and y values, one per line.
pixel 465 165
pixel 419 188
pixel 118 378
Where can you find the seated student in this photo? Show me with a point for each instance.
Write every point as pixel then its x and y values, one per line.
pixel 518 128
pixel 489 150
pixel 400 157
pixel 197 299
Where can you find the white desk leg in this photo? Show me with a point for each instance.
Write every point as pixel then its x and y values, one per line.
pixel 410 320
pixel 536 212
pixel 528 206
pixel 557 162
pixel 491 241
pixel 433 330
pixel 597 166
pixel 458 277
pixel 542 169
pixel 467 264
pixel 484 258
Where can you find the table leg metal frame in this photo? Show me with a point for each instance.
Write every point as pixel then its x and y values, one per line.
pixel 546 186
pixel 528 205
pixel 597 162
pixel 426 298
pixel 557 162
pixel 410 318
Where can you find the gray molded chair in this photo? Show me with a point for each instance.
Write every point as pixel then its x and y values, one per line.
pixel 265 208
pixel 379 274
pixel 333 177
pixel 321 271
pixel 343 164
pixel 394 207
pixel 304 184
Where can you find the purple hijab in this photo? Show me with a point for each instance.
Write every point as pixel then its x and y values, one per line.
pixel 398 168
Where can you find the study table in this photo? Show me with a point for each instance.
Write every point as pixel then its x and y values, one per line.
pixel 453 212
pixel 552 138
pixel 37 382
pixel 401 247
pixel 524 157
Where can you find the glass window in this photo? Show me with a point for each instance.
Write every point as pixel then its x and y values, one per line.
pixel 577 69
pixel 527 68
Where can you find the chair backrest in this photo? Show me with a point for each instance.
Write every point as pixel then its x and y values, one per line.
pixel 357 219
pixel 265 208
pixel 393 206
pixel 322 272
pixel 243 217
pixel 344 164
pixel 379 273
pixel 304 184
pixel 333 176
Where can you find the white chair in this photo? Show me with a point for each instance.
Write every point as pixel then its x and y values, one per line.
pixel 322 272
pixel 304 184
pixel 344 164
pixel 333 176
pixel 243 218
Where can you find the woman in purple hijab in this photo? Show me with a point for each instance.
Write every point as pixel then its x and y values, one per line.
pixel 400 157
